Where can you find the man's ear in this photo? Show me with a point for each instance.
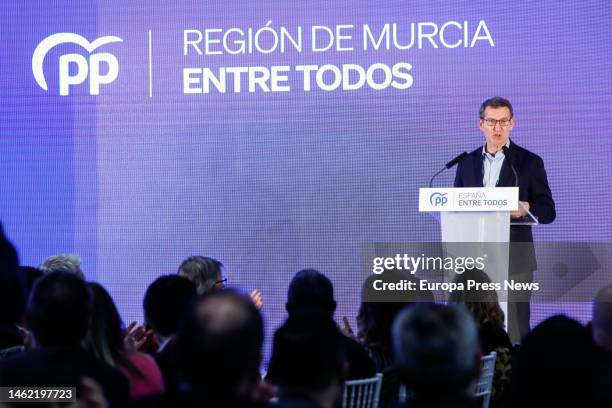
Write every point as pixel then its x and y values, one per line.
pixel 511 124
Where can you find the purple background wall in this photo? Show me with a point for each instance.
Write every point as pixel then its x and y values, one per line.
pixel 273 182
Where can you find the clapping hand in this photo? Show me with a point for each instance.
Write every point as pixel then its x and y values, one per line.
pixel 135 336
pixel 257 299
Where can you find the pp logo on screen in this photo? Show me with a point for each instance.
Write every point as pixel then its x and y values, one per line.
pixel 84 67
pixel 438 199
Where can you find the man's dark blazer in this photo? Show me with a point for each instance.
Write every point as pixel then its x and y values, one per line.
pixel 532 183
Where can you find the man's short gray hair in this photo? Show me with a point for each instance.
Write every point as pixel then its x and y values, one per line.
pixel 63 263
pixel 436 347
pixel 204 272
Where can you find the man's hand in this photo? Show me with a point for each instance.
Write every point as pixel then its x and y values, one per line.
pixel 257 299
pixel 522 210
pixel 135 336
pixel 346 329
pixel 27 336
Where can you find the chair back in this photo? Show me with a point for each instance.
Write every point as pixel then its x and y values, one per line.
pixel 362 393
pixel 483 385
pixel 485 381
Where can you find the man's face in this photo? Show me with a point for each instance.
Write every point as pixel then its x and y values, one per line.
pixel 496 127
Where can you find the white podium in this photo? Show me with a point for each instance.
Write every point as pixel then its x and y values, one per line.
pixel 474 222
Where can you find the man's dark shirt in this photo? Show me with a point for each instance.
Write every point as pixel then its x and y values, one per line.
pixel 167 362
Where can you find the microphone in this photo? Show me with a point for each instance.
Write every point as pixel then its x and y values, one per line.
pixel 511 162
pixel 448 165
pixel 532 218
pixel 455 160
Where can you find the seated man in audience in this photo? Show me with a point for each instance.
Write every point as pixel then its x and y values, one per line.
pixel 207 274
pixel 555 367
pixel 374 322
pixel 12 296
pixel 63 263
pixel 22 338
pixel 437 350
pixel 58 317
pixel 218 354
pixel 311 294
pixel 308 363
pixel 165 302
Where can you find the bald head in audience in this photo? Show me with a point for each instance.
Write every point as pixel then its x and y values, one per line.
pixel 220 344
pixel 437 350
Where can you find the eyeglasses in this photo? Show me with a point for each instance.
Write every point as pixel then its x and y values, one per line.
pixel 221 282
pixel 504 123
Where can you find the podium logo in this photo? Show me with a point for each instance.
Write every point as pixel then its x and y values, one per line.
pixel 85 67
pixel 438 199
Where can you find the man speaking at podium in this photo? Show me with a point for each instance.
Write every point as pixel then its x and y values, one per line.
pixel 503 163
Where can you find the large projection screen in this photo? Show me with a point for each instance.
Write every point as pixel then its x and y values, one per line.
pixel 278 135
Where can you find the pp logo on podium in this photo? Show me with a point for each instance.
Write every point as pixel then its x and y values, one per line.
pixel 438 199
pixel 85 67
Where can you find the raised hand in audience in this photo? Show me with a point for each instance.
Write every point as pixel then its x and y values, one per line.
pixel 28 338
pixel 136 337
pixel 257 299
pixel 346 329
